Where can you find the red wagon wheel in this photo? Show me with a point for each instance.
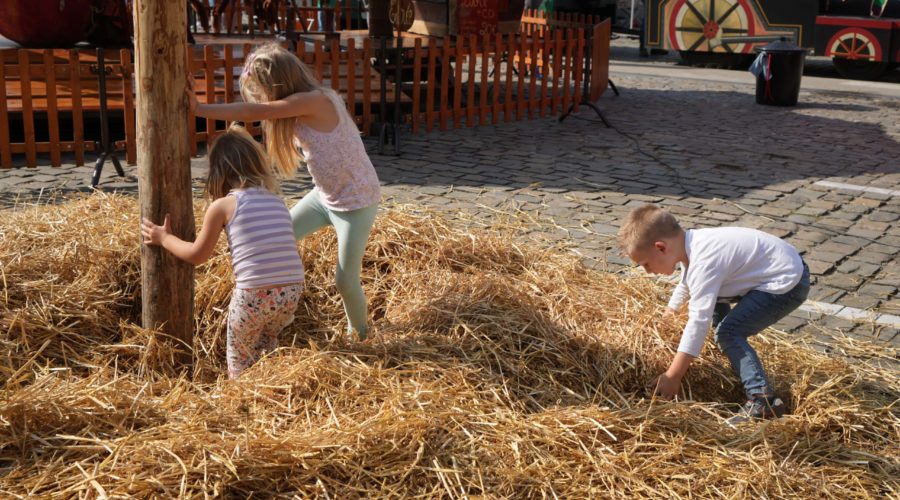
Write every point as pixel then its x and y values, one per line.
pixel 856 53
pixel 857 44
pixel 698 25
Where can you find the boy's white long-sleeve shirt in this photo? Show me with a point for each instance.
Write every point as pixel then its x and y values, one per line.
pixel 729 262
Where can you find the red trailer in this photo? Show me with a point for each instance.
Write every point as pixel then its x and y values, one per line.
pixel 862 37
pixel 63 23
pixel 45 23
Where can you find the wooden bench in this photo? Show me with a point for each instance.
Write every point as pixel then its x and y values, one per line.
pixel 596 32
pixel 55 83
pixel 42 88
pixel 537 25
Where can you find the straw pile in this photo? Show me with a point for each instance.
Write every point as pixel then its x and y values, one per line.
pixel 496 368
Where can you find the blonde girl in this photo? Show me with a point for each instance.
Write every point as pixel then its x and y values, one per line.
pixel 267 268
pixel 281 91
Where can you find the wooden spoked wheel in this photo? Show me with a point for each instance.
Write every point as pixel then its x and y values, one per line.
pixel 699 25
pixel 856 44
pixel 856 53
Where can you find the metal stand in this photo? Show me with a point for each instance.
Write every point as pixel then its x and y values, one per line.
pixel 289 29
pixel 106 147
pixel 387 131
pixel 590 105
pixel 586 88
pixel 613 87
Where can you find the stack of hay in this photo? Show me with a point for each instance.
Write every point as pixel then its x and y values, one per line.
pixel 494 369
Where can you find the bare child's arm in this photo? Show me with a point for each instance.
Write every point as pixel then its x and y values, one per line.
pixel 668 383
pixel 200 250
pixel 293 106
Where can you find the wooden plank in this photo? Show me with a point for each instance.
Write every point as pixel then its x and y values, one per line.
pixel 417 84
pixel 27 116
pixel 77 117
pixel 432 84
pixel 44 147
pixel 351 76
pixel 52 110
pixel 495 94
pixel 301 53
pixel 229 63
pixel 335 64
pixel 209 75
pixel 520 95
pixel 535 73
pixel 507 101
pixel 445 78
pixel 485 59
pixel 470 92
pixel 457 82
pixel 599 59
pixel 557 69
pixel 5 149
pixel 38 100
pixel 579 67
pixel 319 55
pixel 567 72
pixel 130 119
pixel 194 137
pixel 367 91
pixel 546 71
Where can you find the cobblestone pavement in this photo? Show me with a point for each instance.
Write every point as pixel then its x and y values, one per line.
pixel 704 150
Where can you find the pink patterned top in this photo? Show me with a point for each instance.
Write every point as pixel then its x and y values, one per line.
pixel 338 163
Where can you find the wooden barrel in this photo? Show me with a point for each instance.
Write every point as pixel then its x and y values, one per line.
pixel 45 23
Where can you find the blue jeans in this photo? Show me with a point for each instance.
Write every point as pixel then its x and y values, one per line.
pixel 752 314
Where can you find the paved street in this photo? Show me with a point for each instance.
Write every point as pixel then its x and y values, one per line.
pixel 825 175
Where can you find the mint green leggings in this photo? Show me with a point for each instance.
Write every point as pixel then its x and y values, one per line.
pixel 352 228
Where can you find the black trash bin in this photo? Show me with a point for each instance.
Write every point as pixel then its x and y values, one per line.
pixel 785 67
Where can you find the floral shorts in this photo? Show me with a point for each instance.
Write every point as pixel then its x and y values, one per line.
pixel 255 318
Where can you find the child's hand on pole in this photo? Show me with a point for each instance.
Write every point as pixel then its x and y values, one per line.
pixel 153 234
pixel 192 97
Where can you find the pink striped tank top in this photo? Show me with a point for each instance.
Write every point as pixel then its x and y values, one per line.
pixel 261 238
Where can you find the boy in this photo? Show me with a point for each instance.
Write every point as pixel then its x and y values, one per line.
pixel 762 275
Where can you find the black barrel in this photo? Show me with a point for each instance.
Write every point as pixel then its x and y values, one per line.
pixel 785 68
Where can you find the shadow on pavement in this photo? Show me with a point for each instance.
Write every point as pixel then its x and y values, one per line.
pixel 704 144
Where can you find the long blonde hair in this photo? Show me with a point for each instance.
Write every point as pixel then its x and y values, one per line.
pixel 271 73
pixel 237 161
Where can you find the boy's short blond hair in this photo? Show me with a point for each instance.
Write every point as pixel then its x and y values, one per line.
pixel 646 225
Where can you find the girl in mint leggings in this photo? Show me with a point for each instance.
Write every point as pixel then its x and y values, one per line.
pixel 282 92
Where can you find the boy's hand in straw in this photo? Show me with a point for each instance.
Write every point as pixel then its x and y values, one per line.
pixel 153 234
pixel 669 318
pixel 665 386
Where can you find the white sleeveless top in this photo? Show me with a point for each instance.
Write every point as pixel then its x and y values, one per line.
pixel 338 163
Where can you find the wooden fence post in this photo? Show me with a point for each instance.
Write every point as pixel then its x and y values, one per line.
pixel 163 158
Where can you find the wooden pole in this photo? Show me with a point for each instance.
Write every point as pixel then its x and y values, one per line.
pixel 163 158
